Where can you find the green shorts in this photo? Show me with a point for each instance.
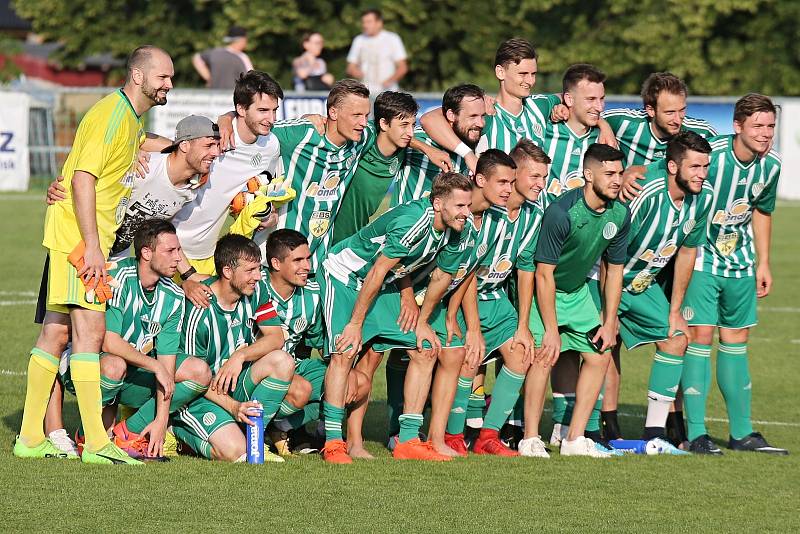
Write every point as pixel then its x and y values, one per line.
pixel 380 324
pixel 719 301
pixel 498 322
pixel 201 418
pixel 644 317
pixel 594 292
pixel 312 370
pixel 576 314
pixel 138 386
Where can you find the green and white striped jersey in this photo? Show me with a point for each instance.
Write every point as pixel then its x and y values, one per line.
pixel 659 227
pixel 739 188
pixel 518 243
pixel 416 176
pixel 300 315
pixel 565 149
pixel 320 172
pixel 636 139
pixel 405 232
pixel 504 129
pixel 214 333
pixel 150 321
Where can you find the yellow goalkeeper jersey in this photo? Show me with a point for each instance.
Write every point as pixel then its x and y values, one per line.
pixel 106 145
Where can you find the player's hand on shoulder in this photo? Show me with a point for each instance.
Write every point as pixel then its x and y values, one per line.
pixel 489 101
pixel 197 293
pixel 143 163
pixel 472 162
pixel 631 188
pixel 318 121
pixel 606 136
pixel 559 113
pixel 56 191
pixel 226 137
pixel 440 158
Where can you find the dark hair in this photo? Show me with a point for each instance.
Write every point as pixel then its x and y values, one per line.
pixel 140 58
pixel 657 83
pixel 446 182
pixel 451 101
pixel 683 142
pixel 342 88
pixel 599 152
pixel 282 242
pixel 579 72
pixel 491 159
pixel 750 104
pixel 231 248
pixel 254 82
pixel 147 234
pixel 373 11
pixel 394 105
pixel 526 149
pixel 514 51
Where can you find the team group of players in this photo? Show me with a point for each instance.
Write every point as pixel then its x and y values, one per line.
pixel 535 230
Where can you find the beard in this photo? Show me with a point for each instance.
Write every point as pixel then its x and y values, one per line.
pixel 152 94
pixel 683 184
pixel 463 134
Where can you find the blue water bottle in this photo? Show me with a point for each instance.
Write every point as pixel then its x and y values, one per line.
pixel 255 436
pixel 635 446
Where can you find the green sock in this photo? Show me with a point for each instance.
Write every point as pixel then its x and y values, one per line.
pixel 395 381
pixel 518 415
pixel 593 424
pixel 563 404
pixel 665 377
pixel 184 392
pixel 733 377
pixel 410 423
pixel 475 407
pixel 458 413
pixel 270 393
pixel 504 396
pixel 695 382
pixel 333 421
pixel 198 444
pixel 109 389
pixel 287 409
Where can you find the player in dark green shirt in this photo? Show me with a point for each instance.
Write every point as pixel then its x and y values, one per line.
pixel 578 229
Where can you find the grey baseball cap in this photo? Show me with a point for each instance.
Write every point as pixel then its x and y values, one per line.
pixel 193 127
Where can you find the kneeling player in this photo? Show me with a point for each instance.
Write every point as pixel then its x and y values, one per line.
pixel 247 370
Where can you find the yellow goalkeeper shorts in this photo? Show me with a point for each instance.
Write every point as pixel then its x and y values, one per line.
pixel 64 288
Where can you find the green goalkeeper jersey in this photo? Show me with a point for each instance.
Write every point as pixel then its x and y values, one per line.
pixel 214 333
pixel 739 188
pixel 517 247
pixel 405 233
pixel 416 176
pixel 659 227
pixel 320 172
pixel 634 133
pixel 300 315
pixel 150 321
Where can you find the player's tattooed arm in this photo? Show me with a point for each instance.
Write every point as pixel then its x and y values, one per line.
pixel 440 158
pixel 762 235
pixel 684 265
pixel 155 143
pixel 525 297
pixel 545 286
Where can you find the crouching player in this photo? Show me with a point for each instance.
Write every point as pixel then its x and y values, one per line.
pixel 139 367
pixel 247 370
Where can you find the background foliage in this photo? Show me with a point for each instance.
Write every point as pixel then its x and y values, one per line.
pixel 720 47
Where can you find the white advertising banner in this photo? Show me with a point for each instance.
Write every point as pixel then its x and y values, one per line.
pixel 789 136
pixel 212 104
pixel 14 169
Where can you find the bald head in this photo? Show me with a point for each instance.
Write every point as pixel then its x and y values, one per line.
pixel 143 57
pixel 149 77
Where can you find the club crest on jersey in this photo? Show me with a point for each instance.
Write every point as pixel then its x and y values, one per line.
pixel 737 213
pixel 758 188
pixel 642 281
pixel 394 166
pixel 537 130
pixel 688 313
pixel 482 249
pixel 573 180
pixel 609 230
pixel 209 418
pixel 327 189
pixel 122 207
pixel 300 324
pixel 688 226
pixel 726 243
pixel 249 322
pixel 319 222
pixel 255 161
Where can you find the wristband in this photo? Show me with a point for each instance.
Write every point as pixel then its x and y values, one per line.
pixel 462 149
pixel 189 272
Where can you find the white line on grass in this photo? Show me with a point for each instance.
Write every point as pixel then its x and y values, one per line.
pixel 16 302
pixel 18 293
pixel 6 372
pixel 779 309
pixel 716 420
pixel 22 197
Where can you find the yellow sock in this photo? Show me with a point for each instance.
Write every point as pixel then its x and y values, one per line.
pixel 85 370
pixel 42 368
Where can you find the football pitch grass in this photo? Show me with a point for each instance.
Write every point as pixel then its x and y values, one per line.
pixel 737 492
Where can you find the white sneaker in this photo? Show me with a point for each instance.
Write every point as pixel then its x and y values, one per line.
pixel 560 433
pixel 661 446
pixel 61 440
pixel 532 448
pixel 582 446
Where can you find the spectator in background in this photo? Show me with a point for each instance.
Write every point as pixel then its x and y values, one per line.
pixel 220 67
pixel 310 71
pixel 377 57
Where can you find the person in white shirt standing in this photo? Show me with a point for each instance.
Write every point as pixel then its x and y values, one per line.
pixel 377 57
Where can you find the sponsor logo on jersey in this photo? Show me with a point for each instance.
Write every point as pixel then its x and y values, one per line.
pixel 573 180
pixel 609 230
pixel 146 346
pixel 300 324
pixel 319 222
pixel 235 322
pixel 500 268
pixel 726 243
pixel 209 418
pixel 641 281
pixel 664 254
pixel 738 213
pixel 576 151
pixel 327 189
pixel 255 161
pixel 659 154
pixel 554 188
pixel 458 276
pixel 688 313
pixel 688 226
pixel 520 129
